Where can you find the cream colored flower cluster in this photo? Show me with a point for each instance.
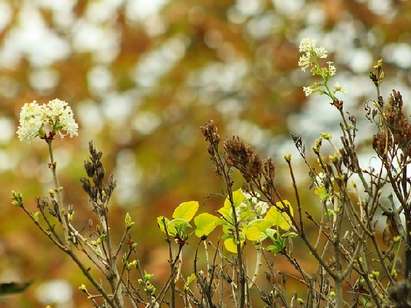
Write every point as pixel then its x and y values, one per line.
pixel 46 120
pixel 310 54
pixel 313 59
pixel 260 207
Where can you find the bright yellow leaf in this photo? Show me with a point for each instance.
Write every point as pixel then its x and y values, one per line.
pixel 230 245
pixel 254 231
pixel 186 210
pixel 205 224
pixel 278 218
pixel 238 198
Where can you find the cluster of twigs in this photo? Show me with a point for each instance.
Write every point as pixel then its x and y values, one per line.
pixel 358 262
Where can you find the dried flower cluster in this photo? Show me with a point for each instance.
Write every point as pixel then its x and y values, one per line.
pixel 46 120
pixel 98 191
pixel 398 124
pixel 243 157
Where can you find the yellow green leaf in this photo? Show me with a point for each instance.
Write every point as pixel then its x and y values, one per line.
pixel 36 216
pixel 278 218
pixel 128 221
pixel 170 225
pixel 321 192
pixel 205 224
pixel 287 204
pixel 226 212
pixel 230 245
pixel 238 198
pixel 255 230
pixel 186 210
pixel 178 226
pixel 254 234
pixel 161 220
pixel 190 279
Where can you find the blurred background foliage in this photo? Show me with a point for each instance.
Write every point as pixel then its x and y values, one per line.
pixel 142 76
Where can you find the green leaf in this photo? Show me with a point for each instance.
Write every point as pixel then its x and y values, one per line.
pixel 289 234
pixel 205 224
pixel 186 210
pixel 326 136
pixel 245 213
pixel 13 287
pixel 36 216
pixel 190 279
pixel 238 198
pixel 148 276
pixel 275 248
pixel 321 192
pixel 227 212
pixel 272 234
pixel 161 220
pixel 278 242
pixel 128 221
pixel 228 229
pixel 178 226
pixel 17 199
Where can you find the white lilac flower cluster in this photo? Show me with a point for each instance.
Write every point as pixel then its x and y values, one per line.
pixel 260 207
pixel 313 58
pixel 46 120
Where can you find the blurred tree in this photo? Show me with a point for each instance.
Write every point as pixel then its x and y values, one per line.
pixel 143 75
